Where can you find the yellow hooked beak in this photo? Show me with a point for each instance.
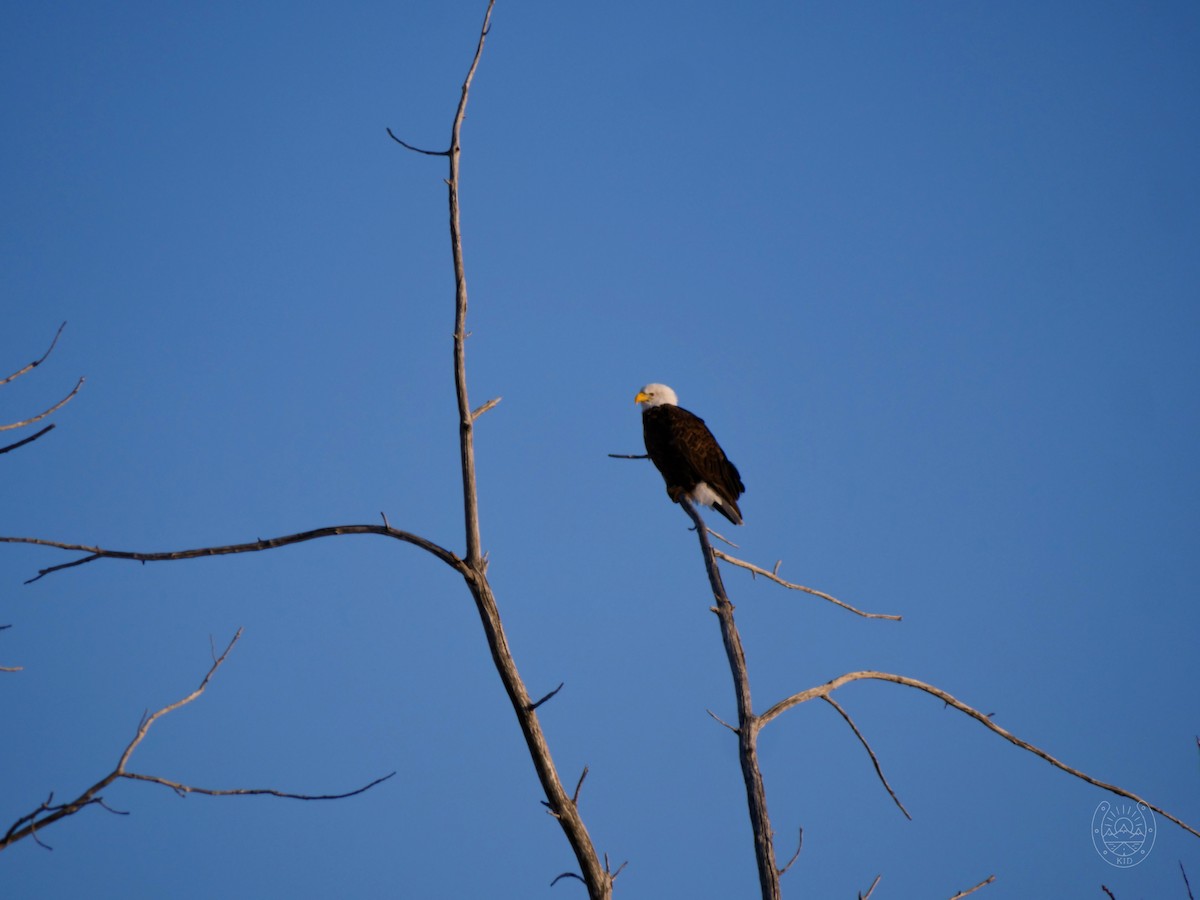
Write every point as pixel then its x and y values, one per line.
pixel 641 397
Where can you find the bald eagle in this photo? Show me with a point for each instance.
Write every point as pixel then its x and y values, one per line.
pixel 691 461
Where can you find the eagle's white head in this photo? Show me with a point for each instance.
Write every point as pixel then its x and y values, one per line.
pixel 656 395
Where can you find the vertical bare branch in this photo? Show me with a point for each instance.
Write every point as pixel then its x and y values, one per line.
pixel 561 805
pixel 748 723
pixel 466 421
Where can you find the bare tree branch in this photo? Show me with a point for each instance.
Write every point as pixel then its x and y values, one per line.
pixel 57 406
pixel 538 703
pixel 579 785
pixel 250 547
pixel 774 576
pixel 465 419
pixel 476 413
pixel 37 362
pixel 732 728
pixel 473 566
pixel 28 440
pixel 748 722
pixel 972 890
pixel 871 889
pixel 184 789
pixel 795 856
pixel 874 759
pixel 408 146
pixel 828 688
pixel 47 813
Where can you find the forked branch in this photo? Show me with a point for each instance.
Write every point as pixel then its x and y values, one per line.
pixel 823 691
pixel 48 812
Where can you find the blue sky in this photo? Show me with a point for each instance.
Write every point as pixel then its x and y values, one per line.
pixel 930 272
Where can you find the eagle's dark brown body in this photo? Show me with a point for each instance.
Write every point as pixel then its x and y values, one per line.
pixel 686 453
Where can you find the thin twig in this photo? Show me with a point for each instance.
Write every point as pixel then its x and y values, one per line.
pixel 871 889
pixel 629 455
pixel 722 721
pixel 842 680
pixel 972 890
pixel 57 406
pixel 37 362
pixel 874 759
pixel 408 146
pixel 724 540
pixel 1186 883
pixel 183 789
pixel 480 410
pixel 796 855
pixel 578 785
pixel 534 706
pixel 1111 895
pixel 758 570
pixel 28 440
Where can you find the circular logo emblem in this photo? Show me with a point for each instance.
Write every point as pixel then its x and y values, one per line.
pixel 1123 833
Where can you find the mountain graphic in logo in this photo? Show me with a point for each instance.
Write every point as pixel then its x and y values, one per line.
pixel 1123 834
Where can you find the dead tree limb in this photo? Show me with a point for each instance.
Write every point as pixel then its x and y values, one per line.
pixel 28 440
pixel 48 812
pixel 774 576
pixel 57 406
pixel 748 723
pixel 37 362
pixel 95 553
pixel 874 759
pixel 823 691
pixel 972 890
pixel 562 805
